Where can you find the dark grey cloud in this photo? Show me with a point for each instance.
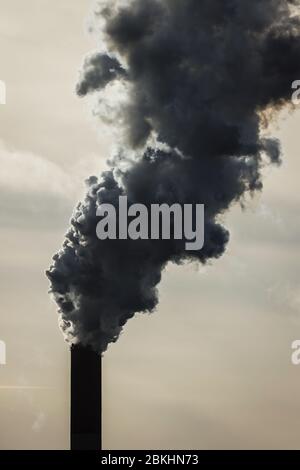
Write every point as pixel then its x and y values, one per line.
pixel 203 77
pixel 98 71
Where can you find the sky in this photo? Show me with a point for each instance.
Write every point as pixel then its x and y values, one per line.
pixel 211 368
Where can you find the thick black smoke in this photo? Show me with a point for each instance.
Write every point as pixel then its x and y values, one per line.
pixel 201 77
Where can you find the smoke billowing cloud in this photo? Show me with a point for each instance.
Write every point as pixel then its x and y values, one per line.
pixel 201 77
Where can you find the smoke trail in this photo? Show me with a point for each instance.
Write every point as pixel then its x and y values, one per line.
pixel 201 76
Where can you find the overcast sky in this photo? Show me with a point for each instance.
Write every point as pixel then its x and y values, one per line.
pixel 212 367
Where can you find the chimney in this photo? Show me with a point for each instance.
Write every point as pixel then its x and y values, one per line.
pixel 85 399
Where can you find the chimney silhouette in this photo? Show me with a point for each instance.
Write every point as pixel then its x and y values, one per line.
pixel 85 399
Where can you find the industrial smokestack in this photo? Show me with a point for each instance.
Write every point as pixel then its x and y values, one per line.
pixel 85 399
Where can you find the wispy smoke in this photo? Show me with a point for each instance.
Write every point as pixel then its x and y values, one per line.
pixel 201 76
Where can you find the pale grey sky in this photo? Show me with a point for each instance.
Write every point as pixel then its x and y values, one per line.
pixel 211 368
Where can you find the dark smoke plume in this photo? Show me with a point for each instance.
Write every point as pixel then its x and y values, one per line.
pixel 201 76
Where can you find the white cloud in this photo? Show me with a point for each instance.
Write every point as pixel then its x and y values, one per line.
pixel 24 172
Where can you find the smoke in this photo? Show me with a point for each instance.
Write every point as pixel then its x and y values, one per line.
pixel 202 78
